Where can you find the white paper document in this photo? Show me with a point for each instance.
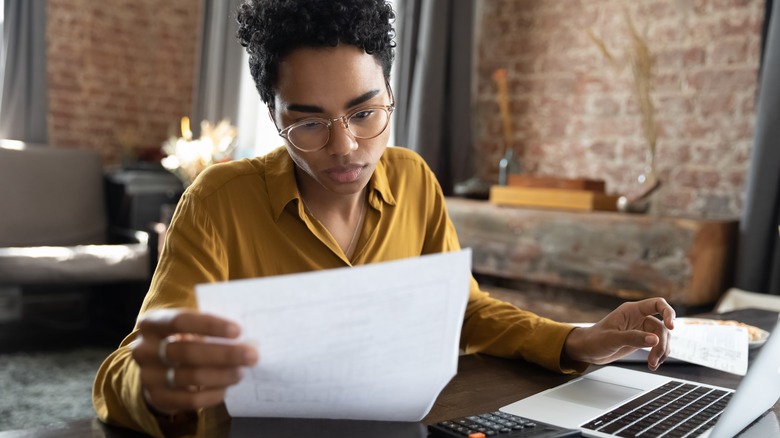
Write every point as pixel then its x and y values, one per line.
pixel 721 347
pixel 373 342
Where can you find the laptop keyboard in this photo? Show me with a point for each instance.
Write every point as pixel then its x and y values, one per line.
pixel 675 410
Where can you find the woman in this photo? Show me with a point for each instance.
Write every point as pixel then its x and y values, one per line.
pixel 335 195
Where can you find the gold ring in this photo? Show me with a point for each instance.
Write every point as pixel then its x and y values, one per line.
pixel 170 377
pixel 162 349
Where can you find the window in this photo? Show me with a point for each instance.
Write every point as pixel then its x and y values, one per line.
pixel 2 46
pixel 256 132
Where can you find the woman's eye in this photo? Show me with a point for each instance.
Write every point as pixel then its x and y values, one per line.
pixel 313 125
pixel 362 114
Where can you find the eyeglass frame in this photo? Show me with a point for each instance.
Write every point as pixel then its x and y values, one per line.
pixel 344 118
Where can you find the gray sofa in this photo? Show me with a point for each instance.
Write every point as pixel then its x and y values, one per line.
pixel 54 229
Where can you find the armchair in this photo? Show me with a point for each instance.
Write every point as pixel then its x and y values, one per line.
pixel 54 228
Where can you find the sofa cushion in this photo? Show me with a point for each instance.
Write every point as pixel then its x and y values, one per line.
pixel 51 196
pixel 74 264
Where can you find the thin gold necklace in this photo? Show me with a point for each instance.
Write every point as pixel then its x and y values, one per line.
pixel 359 225
pixel 362 216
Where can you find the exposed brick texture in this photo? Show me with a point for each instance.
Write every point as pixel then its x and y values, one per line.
pixel 576 116
pixel 120 73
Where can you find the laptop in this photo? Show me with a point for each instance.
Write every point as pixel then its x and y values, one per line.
pixel 614 401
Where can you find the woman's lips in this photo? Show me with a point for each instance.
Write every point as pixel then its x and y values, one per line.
pixel 345 174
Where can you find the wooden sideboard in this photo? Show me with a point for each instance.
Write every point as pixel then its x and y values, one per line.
pixel 687 261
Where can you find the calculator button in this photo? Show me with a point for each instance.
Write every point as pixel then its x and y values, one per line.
pixel 493 425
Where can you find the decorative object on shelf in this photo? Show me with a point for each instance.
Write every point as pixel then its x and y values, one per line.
pixel 553 198
pixel 187 157
pixel 474 188
pixel 550 182
pixel 641 61
pixel 510 162
pixel 552 192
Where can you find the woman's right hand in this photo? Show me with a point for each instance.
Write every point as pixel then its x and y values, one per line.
pixel 181 368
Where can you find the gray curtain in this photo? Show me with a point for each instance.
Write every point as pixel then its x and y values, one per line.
pixel 765 27
pixel 24 101
pixel 219 64
pixel 758 264
pixel 433 115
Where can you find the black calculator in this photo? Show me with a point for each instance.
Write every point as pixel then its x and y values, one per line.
pixel 498 424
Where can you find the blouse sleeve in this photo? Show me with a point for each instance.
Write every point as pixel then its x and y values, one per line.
pixel 193 254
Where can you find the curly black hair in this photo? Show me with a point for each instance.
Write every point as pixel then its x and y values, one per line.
pixel 272 29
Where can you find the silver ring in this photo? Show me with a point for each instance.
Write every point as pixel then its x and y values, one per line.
pixel 170 377
pixel 162 351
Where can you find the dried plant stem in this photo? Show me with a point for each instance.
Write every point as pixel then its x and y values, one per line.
pixel 605 50
pixel 641 61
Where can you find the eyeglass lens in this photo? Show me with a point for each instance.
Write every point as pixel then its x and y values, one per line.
pixel 314 133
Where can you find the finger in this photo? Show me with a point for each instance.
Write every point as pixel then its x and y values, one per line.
pixel 635 339
pixel 195 353
pixel 658 306
pixel 163 322
pixel 653 325
pixel 663 350
pixel 174 401
pixel 660 351
pixel 187 378
pixel 142 347
pixel 656 357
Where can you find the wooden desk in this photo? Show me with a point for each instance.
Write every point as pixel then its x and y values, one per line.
pixel 483 383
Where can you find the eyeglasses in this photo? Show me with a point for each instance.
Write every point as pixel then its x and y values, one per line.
pixel 313 133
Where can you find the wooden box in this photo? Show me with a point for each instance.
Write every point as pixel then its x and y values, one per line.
pixel 553 198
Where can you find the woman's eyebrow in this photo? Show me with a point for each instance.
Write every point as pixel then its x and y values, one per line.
pixel 360 99
pixel 303 108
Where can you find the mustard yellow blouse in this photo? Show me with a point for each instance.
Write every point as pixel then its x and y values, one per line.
pixel 245 219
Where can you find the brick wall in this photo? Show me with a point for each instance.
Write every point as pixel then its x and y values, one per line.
pixel 120 72
pixel 575 116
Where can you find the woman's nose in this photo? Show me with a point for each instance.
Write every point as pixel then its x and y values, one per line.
pixel 341 141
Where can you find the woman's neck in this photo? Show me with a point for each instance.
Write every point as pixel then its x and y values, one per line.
pixel 323 203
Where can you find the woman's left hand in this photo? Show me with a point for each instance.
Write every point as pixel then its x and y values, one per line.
pixel 629 327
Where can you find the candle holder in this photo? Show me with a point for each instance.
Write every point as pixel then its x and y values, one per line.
pixel 187 158
pixel 510 162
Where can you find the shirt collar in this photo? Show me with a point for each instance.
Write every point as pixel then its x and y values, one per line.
pixel 282 187
pixel 379 182
pixel 280 180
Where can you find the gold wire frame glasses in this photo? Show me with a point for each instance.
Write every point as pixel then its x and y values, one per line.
pixel 313 133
